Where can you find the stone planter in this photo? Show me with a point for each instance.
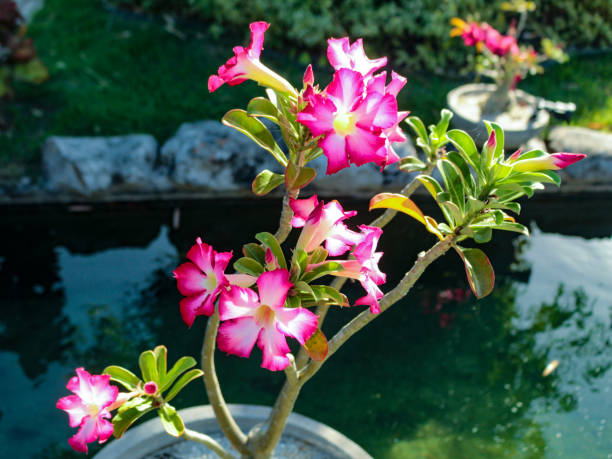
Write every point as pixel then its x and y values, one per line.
pixel 312 438
pixel 521 123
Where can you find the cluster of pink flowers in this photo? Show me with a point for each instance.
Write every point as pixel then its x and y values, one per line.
pixel 356 116
pixel 260 317
pixel 474 34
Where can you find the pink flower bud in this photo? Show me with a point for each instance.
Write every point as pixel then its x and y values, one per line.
pixel 308 76
pixel 150 388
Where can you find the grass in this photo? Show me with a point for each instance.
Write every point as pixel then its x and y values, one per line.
pixel 114 73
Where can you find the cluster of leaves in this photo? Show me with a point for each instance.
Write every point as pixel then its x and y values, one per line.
pixel 279 110
pixel 18 58
pixel 477 191
pixel 304 269
pixel 153 367
pixel 412 33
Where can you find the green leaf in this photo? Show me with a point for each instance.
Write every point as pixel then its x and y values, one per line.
pixel 453 181
pixel 318 255
pixel 183 364
pixel 254 251
pixel 317 346
pixel 453 211
pixel 411 164
pixel 463 168
pixel 512 226
pixel 303 287
pixel 478 269
pixel 419 128
pixel 182 382
pixel 440 129
pixel 248 266
pixel 32 71
pixel 299 263
pixel 482 235
pixel 466 147
pixel 294 302
pixel 129 412
pixel 262 107
pixel 172 422
pixel 270 242
pixel 124 377
pixel 161 357
pixel 322 270
pixel 256 131
pixel 512 206
pixel 431 185
pixel 296 178
pixel 330 294
pixel 266 181
pixel 148 366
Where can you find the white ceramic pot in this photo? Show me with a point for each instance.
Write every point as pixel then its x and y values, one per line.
pixel 150 437
pixel 521 124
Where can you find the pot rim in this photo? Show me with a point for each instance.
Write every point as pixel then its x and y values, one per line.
pixel 150 436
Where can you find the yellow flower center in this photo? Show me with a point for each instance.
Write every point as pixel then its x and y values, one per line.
pixel 92 410
pixel 264 315
pixel 344 123
pixel 210 283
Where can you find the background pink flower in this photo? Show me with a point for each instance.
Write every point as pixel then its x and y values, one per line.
pixel 88 408
pixel 262 318
pixel 342 55
pixel 201 281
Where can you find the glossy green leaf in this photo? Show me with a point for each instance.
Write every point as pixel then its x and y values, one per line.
pixel 318 255
pixel 419 128
pixel 161 358
pixel 248 266
pixel 322 270
pixel 299 263
pixel 256 131
pixel 172 422
pixel 270 242
pixel 466 146
pixel 330 295
pixel 478 269
pixel 411 164
pixel 262 107
pixel 122 376
pixel 431 185
pixel 453 211
pixel 266 181
pixel 148 366
pixel 191 375
pixel 453 182
pixel 183 364
pixel 512 206
pixel 254 251
pixel 532 177
pixel 463 168
pixel 439 129
pixel 294 302
pixel 512 226
pixel 296 178
pixel 303 287
pixel 129 412
pixel 317 346
pixel 482 235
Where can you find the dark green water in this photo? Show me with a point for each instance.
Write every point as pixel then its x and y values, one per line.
pixel 463 380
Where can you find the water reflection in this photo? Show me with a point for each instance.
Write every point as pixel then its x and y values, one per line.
pixel 442 375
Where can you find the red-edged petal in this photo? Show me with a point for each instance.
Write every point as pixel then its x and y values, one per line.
pixel 334 148
pixel 345 90
pixel 201 254
pixel 74 406
pixel 197 305
pixel 273 287
pixel 258 30
pixel 105 430
pixel 237 302
pixel 363 145
pixel 302 208
pixel 238 336
pixel 318 116
pixel 190 280
pixel 274 347
pixel 299 323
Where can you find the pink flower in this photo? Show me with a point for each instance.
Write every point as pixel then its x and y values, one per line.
pixel 350 120
pixel 365 267
pixel 262 318
pixel 474 33
pixel 555 161
pixel 342 55
pixel 88 409
pixel 323 222
pixel 245 65
pixel 201 281
pixel 500 44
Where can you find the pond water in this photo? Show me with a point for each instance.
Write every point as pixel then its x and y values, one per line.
pixel 433 377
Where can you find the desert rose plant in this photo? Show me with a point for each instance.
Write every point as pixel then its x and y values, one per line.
pixel 274 295
pixel 501 58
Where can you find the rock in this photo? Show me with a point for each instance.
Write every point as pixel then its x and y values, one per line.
pixel 88 165
pixel 28 8
pixel 209 155
pixel 366 178
pixel 597 166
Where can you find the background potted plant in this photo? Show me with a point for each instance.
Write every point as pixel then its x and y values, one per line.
pixel 502 59
pixel 275 293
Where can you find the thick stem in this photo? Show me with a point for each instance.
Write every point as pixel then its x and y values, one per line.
pixel 284 225
pixel 215 397
pixel 424 259
pixel 208 442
